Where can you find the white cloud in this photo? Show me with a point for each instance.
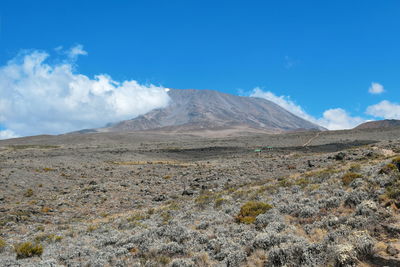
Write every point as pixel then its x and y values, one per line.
pixel 385 109
pixel 283 101
pixel 376 89
pixel 332 119
pixel 76 51
pixel 38 98
pixel 7 134
pixel 338 119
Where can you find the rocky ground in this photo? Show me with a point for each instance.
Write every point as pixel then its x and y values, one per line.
pixel 146 199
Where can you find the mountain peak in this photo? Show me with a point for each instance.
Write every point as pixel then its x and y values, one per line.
pixel 192 109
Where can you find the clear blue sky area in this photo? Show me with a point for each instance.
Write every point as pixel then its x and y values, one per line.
pixel 324 54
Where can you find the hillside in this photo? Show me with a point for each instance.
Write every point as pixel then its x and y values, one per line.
pixel 379 124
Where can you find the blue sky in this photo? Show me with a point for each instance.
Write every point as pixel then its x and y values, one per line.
pixel 316 56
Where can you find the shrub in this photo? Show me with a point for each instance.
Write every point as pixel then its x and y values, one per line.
pixel 393 191
pixel 355 167
pixel 27 250
pixel 28 193
pixel 92 228
pixel 396 161
pixel 388 168
pixel 219 202
pixel 2 244
pixel 250 210
pixel 285 183
pixel 350 177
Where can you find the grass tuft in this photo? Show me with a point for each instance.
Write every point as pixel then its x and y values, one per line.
pixel 28 249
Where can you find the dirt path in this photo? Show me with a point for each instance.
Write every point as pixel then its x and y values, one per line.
pixel 311 139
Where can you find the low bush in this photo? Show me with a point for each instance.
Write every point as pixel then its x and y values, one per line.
pixel 250 210
pixel 350 177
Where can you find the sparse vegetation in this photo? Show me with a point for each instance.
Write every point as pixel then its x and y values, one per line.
pixel 48 238
pixel 250 210
pixel 20 147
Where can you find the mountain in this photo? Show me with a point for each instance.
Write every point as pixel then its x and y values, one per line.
pixel 379 124
pixel 196 110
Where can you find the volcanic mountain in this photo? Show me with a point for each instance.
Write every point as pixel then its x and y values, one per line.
pixel 379 124
pixel 196 110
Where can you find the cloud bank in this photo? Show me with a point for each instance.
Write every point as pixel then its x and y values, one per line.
pixel 332 119
pixel 385 109
pixel 7 134
pixel 336 118
pixel 37 97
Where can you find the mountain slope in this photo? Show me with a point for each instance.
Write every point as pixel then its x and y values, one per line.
pixel 379 124
pixel 192 110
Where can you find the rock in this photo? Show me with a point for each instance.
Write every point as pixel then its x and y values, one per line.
pixel 159 198
pixel 392 250
pixel 392 228
pixel 340 156
pixel 385 260
pixel 187 192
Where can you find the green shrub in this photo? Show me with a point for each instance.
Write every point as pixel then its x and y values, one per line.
pixel 350 177
pixel 250 210
pixel 27 250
